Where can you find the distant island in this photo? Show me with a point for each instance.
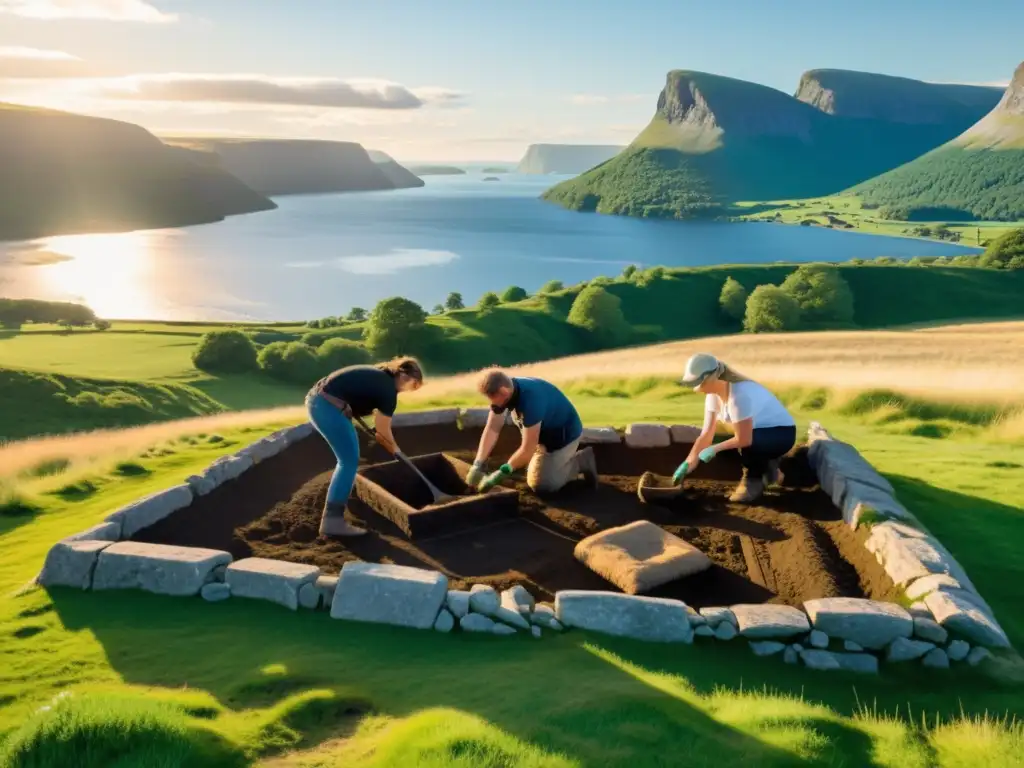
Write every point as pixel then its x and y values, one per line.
pixel 491 178
pixel 436 170
pixel 62 173
pixel 496 169
pixel 564 158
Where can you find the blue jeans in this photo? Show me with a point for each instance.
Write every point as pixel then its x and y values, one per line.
pixel 339 433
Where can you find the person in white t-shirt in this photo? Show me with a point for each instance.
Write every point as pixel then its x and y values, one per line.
pixel 763 429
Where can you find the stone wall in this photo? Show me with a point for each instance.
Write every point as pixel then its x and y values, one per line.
pixel 947 620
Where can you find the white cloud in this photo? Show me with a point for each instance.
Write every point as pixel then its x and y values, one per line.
pixel 588 100
pixel 988 83
pixel 262 89
pixel 21 62
pixel 595 100
pixel 36 54
pixel 107 10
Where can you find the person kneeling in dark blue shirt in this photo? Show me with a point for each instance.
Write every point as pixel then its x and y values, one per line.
pixel 551 430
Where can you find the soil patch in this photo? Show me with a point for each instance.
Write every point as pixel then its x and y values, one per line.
pixel 790 547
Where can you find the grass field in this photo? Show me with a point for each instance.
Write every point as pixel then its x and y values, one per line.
pixel 242 683
pixel 849 208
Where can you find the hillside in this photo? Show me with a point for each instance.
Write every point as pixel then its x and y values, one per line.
pixel 400 176
pixel 63 173
pixel 295 167
pixel 977 175
pixel 716 140
pixel 564 158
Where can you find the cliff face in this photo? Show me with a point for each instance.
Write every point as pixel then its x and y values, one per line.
pixel 62 173
pixel 564 158
pixel 399 176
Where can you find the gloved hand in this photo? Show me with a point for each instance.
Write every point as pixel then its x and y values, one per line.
pixel 707 454
pixel 494 478
pixel 680 473
pixel 475 475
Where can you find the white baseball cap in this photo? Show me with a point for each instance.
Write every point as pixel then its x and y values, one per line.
pixel 698 368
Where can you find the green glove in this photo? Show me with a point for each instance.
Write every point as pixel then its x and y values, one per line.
pixel 680 473
pixel 494 478
pixel 475 475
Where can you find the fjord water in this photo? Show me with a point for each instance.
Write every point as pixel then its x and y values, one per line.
pixel 320 255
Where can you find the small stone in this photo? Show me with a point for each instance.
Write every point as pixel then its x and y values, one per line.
pixel 936 658
pixel 928 629
pixel 654 619
pixel 696 620
pixel 717 615
pixel 502 629
pixel 215 591
pixel 758 621
pixel 309 596
pixel 484 599
pixel 725 631
pixel 857 662
pixel 542 616
pixel 326 586
pixel 383 593
pixel 820 660
pixel 521 597
pixel 766 648
pixel 556 625
pixel 535 631
pixel 704 631
pixel 797 647
pixel 978 655
pixel 919 609
pixel 445 621
pixel 458 602
pixel 902 649
pixel 958 650
pixel 278 581
pixel 476 622
pixel 851 646
pixel 509 613
pixel 791 655
pixel 219 573
pixel 818 639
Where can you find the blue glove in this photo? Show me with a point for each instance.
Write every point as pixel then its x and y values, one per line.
pixel 707 454
pixel 680 473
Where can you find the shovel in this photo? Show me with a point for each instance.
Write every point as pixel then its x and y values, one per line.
pixel 437 493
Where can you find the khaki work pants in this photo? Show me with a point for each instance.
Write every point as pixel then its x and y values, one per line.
pixel 549 471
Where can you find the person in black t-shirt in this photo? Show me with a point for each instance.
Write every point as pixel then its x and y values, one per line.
pixel 356 391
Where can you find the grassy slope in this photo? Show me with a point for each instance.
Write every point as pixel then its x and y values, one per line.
pixel 157 381
pixel 465 701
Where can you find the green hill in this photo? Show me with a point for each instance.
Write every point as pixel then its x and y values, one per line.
pixel 564 158
pixel 716 140
pixel 62 173
pixel 978 175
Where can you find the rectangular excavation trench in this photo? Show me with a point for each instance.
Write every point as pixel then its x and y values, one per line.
pixel 795 538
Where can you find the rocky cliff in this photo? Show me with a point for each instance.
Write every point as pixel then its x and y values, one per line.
pixel 564 158
pixel 400 176
pixel 62 173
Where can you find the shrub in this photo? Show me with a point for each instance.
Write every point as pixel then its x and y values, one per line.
pixel 329 322
pixel 340 353
pixel 313 324
pixel 552 286
pixel 769 308
pixel 292 362
pixel 600 312
pixel 101 325
pixel 488 301
pixel 395 327
pixel 513 294
pixel 454 301
pixel 733 299
pixel 226 351
pixel 823 295
pixel 629 271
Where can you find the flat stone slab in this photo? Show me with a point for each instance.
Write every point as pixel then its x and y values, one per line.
pixel 818 659
pixel 152 509
pixel 264 449
pixel 648 436
pixel 831 458
pixel 598 435
pixel 159 568
pixel 869 623
pixel 653 619
pixel 389 594
pixel 906 557
pixel 99 532
pixel 473 418
pixel 227 468
pixel 425 418
pixel 770 620
pixel 957 614
pixel 684 433
pixel 71 563
pixel 902 649
pixel 943 582
pixel 927 629
pixel 640 556
pixel 860 500
pixel 278 581
pixel 865 663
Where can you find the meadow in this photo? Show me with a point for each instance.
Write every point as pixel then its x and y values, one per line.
pixel 166 681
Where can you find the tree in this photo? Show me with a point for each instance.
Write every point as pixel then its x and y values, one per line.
pixel 313 324
pixel 101 325
pixel 356 315
pixel 454 301
pixel 769 308
pixel 600 312
pixel 328 322
pixel 629 271
pixel 291 361
pixel 823 295
pixel 513 294
pixel 551 286
pixel 340 353
pixel 488 301
pixel 395 327
pixel 438 309
pixel 733 299
pixel 1005 252
pixel 227 351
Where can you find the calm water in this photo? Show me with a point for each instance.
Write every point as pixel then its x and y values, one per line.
pixel 321 255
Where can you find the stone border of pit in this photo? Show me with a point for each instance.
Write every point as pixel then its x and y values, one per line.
pixel 947 620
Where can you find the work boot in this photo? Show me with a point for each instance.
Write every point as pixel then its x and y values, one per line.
pixel 749 490
pixel 588 466
pixel 772 475
pixel 333 522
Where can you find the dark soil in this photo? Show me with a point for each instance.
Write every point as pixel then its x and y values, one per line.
pixel 790 547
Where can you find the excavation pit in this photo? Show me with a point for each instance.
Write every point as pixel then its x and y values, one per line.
pixel 394 491
pixel 790 546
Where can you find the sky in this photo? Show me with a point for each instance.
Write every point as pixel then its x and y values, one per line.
pixel 463 79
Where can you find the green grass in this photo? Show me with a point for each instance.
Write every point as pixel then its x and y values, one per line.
pixel 243 682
